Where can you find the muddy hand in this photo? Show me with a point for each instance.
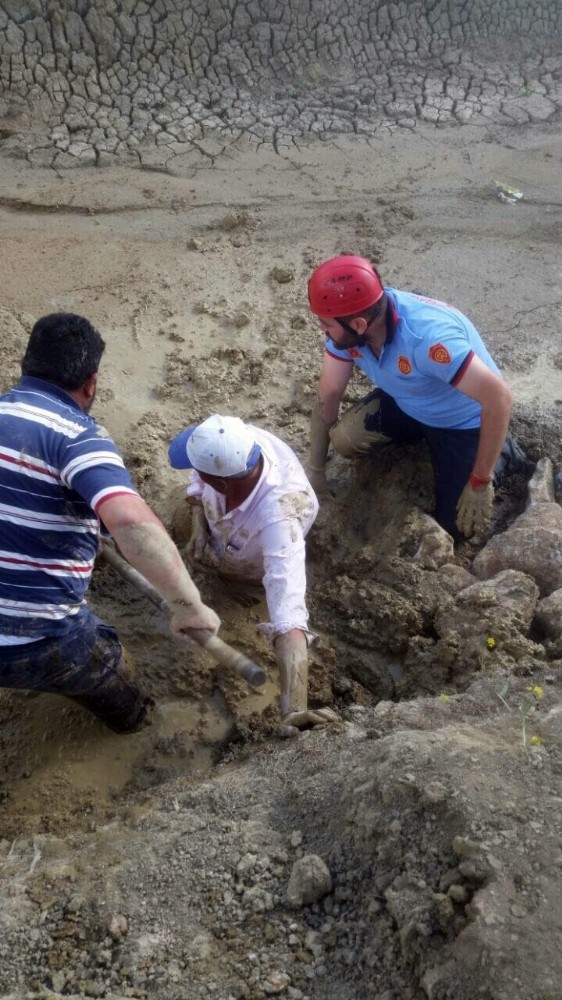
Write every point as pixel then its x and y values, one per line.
pixel 294 722
pixel 200 552
pixel 199 617
pixel 474 508
pixel 196 545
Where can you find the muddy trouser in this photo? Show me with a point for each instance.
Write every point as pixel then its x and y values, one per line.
pixel 377 419
pixel 86 664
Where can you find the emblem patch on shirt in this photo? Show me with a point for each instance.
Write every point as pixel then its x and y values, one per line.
pixel 439 354
pixel 404 366
pixel 354 353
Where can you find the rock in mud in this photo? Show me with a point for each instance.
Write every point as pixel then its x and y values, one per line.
pixel 454 578
pixel 310 880
pixel 549 614
pixel 541 485
pixel 501 608
pixel 436 546
pixel 117 926
pixel 532 545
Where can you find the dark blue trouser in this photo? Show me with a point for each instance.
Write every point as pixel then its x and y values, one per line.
pixel 86 665
pixel 452 453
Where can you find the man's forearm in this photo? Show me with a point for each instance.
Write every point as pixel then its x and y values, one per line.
pixel 149 548
pixel 292 659
pixel 319 435
pixel 493 432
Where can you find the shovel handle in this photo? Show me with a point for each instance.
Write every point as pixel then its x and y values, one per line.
pixel 220 651
pixel 229 657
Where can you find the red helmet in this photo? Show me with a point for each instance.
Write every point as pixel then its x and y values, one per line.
pixel 343 286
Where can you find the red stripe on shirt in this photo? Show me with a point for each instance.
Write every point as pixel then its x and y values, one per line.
pixel 29 465
pixel 115 493
pixel 460 371
pixel 42 565
pixel 347 361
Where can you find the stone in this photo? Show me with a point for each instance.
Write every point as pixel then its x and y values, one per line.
pixel 548 614
pixel 541 484
pixel 500 606
pixel 310 880
pixel 275 983
pixel 436 546
pixel 58 980
pixel 454 578
pixel 117 926
pixel 282 275
pixel 532 545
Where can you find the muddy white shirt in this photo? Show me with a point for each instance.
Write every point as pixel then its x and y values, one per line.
pixel 263 538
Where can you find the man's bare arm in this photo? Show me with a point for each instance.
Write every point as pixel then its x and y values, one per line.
pixel 334 378
pixel 145 543
pixel 495 398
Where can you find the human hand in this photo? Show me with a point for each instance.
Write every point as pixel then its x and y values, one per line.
pixel 196 544
pixel 200 550
pixel 474 508
pixel 186 617
pixel 294 722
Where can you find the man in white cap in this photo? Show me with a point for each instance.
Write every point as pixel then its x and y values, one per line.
pixel 252 508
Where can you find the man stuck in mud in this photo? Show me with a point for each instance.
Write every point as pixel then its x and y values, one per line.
pixel 435 381
pixel 60 474
pixel 252 507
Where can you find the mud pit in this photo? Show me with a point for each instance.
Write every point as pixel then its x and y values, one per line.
pixel 157 865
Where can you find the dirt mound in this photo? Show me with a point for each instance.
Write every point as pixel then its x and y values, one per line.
pixel 440 867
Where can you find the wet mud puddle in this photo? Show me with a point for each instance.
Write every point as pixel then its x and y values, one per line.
pixel 59 767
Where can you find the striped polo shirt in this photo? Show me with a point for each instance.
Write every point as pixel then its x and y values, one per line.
pixel 57 465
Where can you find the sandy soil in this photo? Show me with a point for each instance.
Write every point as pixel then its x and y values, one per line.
pixel 197 281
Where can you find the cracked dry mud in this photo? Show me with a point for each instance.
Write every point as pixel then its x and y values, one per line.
pixel 272 136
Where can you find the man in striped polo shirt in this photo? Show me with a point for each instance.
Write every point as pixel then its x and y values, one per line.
pixel 60 476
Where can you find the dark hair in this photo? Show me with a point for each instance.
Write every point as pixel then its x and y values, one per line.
pixel 63 348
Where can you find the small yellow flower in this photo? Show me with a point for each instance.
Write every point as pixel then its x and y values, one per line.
pixel 443 696
pixel 537 690
pixel 491 642
pixel 536 741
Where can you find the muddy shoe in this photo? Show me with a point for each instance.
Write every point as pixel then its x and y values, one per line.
pixel 142 720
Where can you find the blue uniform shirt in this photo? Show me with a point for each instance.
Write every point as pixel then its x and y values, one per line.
pixel 423 361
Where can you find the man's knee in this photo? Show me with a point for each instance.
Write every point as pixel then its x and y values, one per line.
pixel 116 700
pixel 343 439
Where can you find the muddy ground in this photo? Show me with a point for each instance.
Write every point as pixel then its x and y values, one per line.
pixel 157 865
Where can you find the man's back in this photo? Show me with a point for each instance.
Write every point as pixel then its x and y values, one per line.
pixel 53 467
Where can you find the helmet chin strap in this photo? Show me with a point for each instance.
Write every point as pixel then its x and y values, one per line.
pixel 372 314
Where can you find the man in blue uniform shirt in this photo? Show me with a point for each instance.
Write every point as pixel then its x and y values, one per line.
pixel 435 381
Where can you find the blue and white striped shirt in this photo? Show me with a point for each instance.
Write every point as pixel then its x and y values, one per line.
pixel 57 465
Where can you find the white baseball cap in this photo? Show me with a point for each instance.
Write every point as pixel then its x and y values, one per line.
pixel 220 446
